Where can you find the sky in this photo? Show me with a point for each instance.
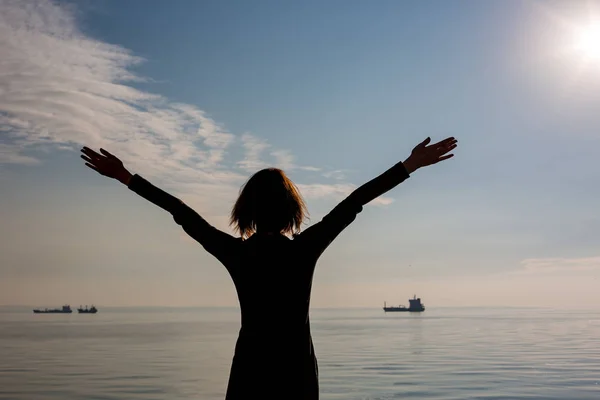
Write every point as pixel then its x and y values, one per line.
pixel 196 96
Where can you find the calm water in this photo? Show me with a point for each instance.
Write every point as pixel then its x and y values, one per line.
pixel 363 354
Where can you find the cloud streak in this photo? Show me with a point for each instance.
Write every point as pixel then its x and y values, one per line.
pixel 535 266
pixel 60 89
pixel 258 151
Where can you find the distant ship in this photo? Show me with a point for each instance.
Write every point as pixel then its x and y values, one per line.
pixel 415 306
pixel 86 310
pixel 64 310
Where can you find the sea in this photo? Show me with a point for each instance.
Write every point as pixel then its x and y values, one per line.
pixel 185 353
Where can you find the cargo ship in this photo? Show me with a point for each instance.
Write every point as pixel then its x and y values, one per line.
pixel 64 310
pixel 86 310
pixel 415 305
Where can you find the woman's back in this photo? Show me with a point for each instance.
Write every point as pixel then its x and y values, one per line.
pixel 272 275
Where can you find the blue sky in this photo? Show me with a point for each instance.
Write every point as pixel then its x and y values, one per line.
pixel 195 96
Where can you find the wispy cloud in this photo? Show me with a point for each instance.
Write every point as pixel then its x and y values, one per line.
pixel 284 159
pixel 336 174
pixel 60 89
pixel 260 154
pixel 553 265
pixel 10 154
pixel 254 152
pixel 337 191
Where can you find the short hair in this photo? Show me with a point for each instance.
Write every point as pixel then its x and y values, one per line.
pixel 268 201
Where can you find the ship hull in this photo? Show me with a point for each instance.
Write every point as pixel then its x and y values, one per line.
pixel 415 305
pixel 51 312
pixel 87 312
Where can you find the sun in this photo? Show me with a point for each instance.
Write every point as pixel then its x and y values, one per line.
pixel 587 41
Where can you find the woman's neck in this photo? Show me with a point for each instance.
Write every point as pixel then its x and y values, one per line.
pixel 268 233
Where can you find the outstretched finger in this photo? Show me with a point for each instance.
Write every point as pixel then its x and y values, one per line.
pixel 90 153
pixel 445 149
pixel 87 159
pixel 445 142
pixel 424 142
pixel 444 158
pixel 92 167
pixel 106 153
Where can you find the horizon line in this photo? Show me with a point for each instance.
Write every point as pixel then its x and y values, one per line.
pixel 311 308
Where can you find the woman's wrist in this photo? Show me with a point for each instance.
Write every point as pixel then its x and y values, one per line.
pixel 124 177
pixel 410 165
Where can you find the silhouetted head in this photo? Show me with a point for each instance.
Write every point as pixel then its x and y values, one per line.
pixel 268 202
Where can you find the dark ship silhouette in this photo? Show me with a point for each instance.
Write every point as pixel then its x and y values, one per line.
pixel 86 310
pixel 64 310
pixel 415 305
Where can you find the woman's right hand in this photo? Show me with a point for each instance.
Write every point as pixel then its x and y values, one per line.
pixel 106 164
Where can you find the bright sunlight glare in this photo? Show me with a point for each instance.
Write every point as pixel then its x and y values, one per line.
pixel 588 41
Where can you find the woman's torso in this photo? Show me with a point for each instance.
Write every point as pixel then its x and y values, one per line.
pixel 273 280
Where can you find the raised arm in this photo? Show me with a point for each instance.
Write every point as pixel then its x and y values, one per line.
pixel 421 156
pixel 320 235
pixel 216 242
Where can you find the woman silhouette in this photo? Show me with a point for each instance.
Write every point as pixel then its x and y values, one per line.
pixel 274 355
